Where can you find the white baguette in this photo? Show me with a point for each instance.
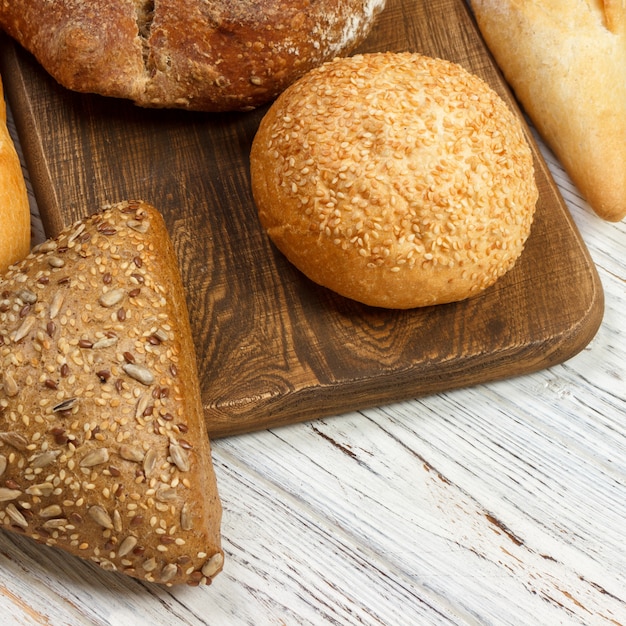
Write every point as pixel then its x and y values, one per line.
pixel 566 62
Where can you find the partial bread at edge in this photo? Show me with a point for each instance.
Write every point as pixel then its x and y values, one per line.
pixel 103 445
pixel 14 209
pixel 566 62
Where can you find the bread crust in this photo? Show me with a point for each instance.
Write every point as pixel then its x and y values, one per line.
pixel 566 62
pixel 103 445
pixel 14 208
pixel 394 179
pixel 214 55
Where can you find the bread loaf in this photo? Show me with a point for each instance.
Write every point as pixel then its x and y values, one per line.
pixel 566 61
pixel 213 55
pixel 103 445
pixel 394 179
pixel 14 209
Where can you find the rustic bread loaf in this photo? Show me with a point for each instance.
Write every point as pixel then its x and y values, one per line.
pixel 103 445
pixel 394 179
pixel 213 55
pixel 566 61
pixel 14 209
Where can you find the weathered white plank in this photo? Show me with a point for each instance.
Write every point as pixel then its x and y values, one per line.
pixel 460 508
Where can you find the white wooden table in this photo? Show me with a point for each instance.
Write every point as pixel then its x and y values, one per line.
pixel 500 504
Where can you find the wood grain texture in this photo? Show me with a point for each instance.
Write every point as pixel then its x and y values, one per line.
pixel 273 348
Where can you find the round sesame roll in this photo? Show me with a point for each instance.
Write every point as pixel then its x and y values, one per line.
pixel 395 179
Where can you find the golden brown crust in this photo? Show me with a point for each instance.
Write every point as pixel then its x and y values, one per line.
pixel 205 55
pixel 103 444
pixel 14 209
pixel 568 68
pixel 394 179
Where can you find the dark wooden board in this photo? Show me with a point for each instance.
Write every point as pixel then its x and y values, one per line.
pixel 272 347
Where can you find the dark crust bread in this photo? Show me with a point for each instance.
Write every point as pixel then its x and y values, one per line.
pixel 103 445
pixel 395 179
pixel 214 55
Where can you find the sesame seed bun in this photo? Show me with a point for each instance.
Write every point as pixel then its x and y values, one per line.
pixel 394 179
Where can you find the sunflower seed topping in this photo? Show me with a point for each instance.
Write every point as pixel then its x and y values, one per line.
pixel 55 261
pixel 213 565
pixel 77 232
pixel 105 342
pixel 127 545
pixel 111 298
pixel 15 515
pixel 185 517
pixel 47 246
pixel 45 458
pixel 168 572
pixel 142 405
pixel 27 296
pixel 99 515
pixel 108 566
pixel 179 457
pixel 166 494
pixel 24 329
pixel 139 373
pixel 140 226
pixel 161 335
pixel 95 457
pixel 149 461
pixel 54 510
pixel 117 521
pixel 42 489
pixel 150 564
pixel 7 494
pixel 19 442
pixel 55 524
pixel 3 464
pixel 10 386
pixel 131 453
pixel 56 304
pixel 66 405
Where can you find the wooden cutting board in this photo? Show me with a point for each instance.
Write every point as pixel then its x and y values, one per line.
pixel 272 347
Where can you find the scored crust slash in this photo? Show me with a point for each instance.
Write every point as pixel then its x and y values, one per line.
pixel 103 445
pixel 192 54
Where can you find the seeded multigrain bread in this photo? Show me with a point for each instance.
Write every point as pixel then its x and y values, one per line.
pixel 210 55
pixel 14 209
pixel 566 61
pixel 103 445
pixel 395 179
